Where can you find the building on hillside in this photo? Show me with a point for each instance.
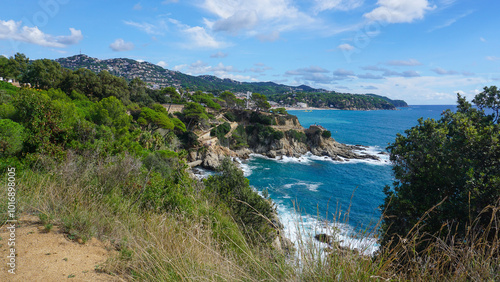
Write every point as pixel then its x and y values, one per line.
pixel 302 105
pixel 273 104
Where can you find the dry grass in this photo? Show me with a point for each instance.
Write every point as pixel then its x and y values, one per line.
pixel 207 245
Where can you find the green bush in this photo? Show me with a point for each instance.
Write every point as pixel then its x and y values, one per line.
pixel 12 136
pixel 296 135
pixel 250 210
pixel 326 134
pixel 281 111
pixel 221 130
pixel 230 116
pixel 451 166
pixel 256 117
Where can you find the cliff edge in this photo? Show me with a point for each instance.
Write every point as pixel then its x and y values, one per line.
pixel 271 135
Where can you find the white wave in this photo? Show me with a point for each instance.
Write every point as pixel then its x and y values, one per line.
pixel 301 229
pixel 308 158
pixel 201 173
pixel 245 167
pixel 373 151
pixel 311 186
pixel 304 159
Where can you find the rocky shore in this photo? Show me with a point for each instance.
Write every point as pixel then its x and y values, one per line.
pixel 314 141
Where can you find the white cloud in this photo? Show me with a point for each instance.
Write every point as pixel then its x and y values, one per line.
pixel 482 39
pixel 259 69
pixel 492 58
pixel 120 45
pixel 201 39
pixel 221 68
pixel 201 67
pixel 399 11
pixel 444 72
pixel 370 76
pixel 427 90
pixel 12 30
pixel 346 47
pixel 410 73
pixel 137 6
pixel 157 28
pixel 219 55
pixel 450 21
pixel 313 74
pixel 342 73
pixel 234 23
pixel 410 62
pixel 257 17
pixel 198 37
pixel 269 37
pixel 162 64
pixel 342 5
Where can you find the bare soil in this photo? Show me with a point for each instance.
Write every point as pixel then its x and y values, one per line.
pixel 51 256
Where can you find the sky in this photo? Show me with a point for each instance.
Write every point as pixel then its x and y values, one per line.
pixel 421 51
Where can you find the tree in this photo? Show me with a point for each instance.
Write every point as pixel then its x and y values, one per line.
pixel 42 121
pixel 260 102
pixel 194 112
pixel 44 74
pixel 248 208
pixel 114 86
pixel 17 66
pixel 451 166
pixel 87 83
pixel 138 94
pixel 229 98
pixel 281 111
pixel 4 72
pixel 156 118
pixel 489 98
pixel 11 137
pixel 111 112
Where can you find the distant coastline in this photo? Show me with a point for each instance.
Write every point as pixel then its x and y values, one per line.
pixel 308 109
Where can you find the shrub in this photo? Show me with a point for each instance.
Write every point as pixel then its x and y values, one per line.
pixel 326 134
pixel 296 135
pixel 449 166
pixel 250 210
pixel 256 117
pixel 230 116
pixel 281 111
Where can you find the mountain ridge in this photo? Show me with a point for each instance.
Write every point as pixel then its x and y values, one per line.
pixel 158 77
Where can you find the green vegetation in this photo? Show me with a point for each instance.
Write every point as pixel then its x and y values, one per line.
pixel 280 111
pixel 110 162
pixel 250 211
pixel 335 100
pixel 220 130
pixel 275 92
pixel 451 165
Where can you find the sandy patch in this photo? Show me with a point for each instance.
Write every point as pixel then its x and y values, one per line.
pixel 51 256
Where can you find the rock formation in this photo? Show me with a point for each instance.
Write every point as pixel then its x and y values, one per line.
pixel 311 140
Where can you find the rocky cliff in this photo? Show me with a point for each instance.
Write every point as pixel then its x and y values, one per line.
pixel 282 136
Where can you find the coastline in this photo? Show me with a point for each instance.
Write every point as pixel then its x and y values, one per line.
pixel 309 109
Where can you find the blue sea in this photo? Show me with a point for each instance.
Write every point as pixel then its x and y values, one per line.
pixel 315 190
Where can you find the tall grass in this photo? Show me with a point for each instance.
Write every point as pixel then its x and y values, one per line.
pixel 90 196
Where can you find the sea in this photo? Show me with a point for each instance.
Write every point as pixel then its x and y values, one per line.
pixel 315 195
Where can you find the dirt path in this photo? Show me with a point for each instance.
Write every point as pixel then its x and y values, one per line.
pixel 51 256
pixel 234 125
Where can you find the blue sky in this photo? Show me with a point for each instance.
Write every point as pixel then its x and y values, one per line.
pixel 422 51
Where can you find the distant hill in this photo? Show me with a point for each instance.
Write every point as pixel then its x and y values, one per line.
pixel 158 77
pixel 396 103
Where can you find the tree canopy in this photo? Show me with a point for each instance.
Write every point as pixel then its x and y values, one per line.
pixel 260 101
pixel 451 166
